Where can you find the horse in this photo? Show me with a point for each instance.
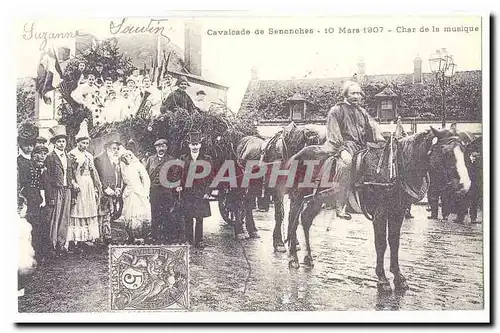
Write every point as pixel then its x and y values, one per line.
pixel 383 192
pixel 452 203
pixel 438 186
pixel 277 149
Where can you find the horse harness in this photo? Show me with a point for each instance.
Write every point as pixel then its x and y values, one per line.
pixel 385 161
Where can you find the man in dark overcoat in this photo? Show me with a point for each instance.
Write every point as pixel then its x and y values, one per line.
pixel 108 167
pixel 195 197
pixel 164 225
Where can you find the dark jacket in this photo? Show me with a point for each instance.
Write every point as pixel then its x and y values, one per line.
pixel 194 205
pixel 23 167
pixel 54 178
pixel 32 181
pixel 178 99
pixel 349 127
pixel 154 166
pixel 109 175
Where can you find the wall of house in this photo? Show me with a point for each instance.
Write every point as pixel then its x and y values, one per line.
pixel 474 128
pixel 213 94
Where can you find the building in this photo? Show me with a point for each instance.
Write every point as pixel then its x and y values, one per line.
pixel 412 96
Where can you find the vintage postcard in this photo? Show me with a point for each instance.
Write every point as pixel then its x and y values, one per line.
pixel 217 168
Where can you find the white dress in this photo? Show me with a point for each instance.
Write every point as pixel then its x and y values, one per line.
pixel 27 261
pixel 84 225
pixel 136 206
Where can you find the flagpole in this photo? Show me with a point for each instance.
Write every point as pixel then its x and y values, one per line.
pixel 54 104
pixel 158 46
pixel 37 106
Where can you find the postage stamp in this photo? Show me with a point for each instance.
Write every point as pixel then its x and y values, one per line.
pixel 280 165
pixel 149 277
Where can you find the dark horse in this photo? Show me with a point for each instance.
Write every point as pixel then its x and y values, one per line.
pixel 383 198
pixel 274 151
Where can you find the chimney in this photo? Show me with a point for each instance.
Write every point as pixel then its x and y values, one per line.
pixel 417 70
pixel 192 47
pixel 361 71
pixel 254 73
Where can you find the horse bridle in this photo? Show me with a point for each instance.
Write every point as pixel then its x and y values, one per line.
pixel 447 144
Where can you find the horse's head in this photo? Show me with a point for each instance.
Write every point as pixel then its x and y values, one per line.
pixel 447 153
pixel 293 138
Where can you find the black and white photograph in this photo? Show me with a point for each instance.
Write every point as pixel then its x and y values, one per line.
pixel 207 165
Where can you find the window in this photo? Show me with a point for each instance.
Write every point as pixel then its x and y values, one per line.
pixel 297 111
pixel 386 105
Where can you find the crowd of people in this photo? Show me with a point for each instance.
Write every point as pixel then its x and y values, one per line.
pixel 114 98
pixel 70 198
pixel 73 197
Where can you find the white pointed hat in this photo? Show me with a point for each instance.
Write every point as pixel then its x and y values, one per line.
pixel 83 133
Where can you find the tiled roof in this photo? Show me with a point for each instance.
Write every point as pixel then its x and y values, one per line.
pixel 387 92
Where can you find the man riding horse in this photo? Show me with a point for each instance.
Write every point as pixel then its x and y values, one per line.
pixel 389 177
pixel 348 128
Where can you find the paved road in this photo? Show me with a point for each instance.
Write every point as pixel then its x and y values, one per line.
pixel 441 260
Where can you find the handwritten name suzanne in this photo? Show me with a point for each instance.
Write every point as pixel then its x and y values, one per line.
pixel 31 33
pixel 153 27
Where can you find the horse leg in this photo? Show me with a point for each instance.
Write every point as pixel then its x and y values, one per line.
pixel 395 221
pixel 307 217
pixel 293 222
pixel 380 231
pixel 250 223
pixel 279 213
pixel 238 208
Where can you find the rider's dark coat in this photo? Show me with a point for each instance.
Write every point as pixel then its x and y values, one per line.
pixel 350 127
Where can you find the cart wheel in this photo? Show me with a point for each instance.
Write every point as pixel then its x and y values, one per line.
pixel 228 215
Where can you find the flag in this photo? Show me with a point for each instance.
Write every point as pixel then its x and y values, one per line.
pixel 152 74
pixel 165 69
pixel 94 44
pixel 160 70
pixel 63 54
pixel 49 75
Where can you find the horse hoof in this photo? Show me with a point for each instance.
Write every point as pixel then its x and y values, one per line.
pixel 308 261
pixel 293 263
pixel 240 236
pixel 401 285
pixel 384 286
pixel 279 248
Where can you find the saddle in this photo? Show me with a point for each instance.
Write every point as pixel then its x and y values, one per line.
pixel 375 168
pixel 384 173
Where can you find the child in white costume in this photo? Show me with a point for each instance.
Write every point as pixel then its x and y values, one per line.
pixel 27 263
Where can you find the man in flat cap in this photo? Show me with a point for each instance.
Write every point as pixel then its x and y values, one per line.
pixel 179 98
pixel 161 198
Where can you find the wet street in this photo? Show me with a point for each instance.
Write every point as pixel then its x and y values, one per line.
pixel 442 262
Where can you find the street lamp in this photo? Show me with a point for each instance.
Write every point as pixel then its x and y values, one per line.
pixel 443 66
